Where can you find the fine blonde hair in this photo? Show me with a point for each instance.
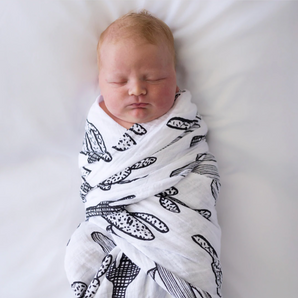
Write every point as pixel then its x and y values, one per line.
pixel 138 25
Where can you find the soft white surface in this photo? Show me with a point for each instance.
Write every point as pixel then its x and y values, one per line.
pixel 238 58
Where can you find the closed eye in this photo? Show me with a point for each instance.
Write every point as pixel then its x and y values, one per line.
pixel 154 80
pixel 118 82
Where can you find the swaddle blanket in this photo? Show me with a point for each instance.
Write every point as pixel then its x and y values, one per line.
pixel 151 227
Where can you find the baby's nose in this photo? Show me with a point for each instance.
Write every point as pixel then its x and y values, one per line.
pixel 137 88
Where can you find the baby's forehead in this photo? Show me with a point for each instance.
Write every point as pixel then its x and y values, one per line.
pixel 116 35
pixel 122 32
pixel 130 40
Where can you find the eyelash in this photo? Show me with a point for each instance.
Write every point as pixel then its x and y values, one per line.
pixel 119 83
pixel 147 80
pixel 153 80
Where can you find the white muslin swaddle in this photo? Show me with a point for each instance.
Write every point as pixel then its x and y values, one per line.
pixel 151 226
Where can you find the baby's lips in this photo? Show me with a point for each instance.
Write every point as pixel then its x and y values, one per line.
pixel 139 105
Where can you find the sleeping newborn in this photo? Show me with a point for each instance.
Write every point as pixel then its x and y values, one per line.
pixel 149 182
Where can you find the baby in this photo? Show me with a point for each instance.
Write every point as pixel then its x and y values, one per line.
pixel 137 76
pixel 149 182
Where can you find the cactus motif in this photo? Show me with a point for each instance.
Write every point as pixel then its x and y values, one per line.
pixel 168 202
pixel 84 189
pixel 121 176
pixel 126 141
pixel 205 164
pixel 215 265
pixel 122 276
pixel 118 178
pixel 215 187
pixel 176 286
pixel 138 129
pixel 129 223
pixel 183 123
pixel 105 242
pixel 205 213
pixel 196 140
pixel 79 289
pixel 85 186
pixel 94 146
pixel 188 126
pixel 95 283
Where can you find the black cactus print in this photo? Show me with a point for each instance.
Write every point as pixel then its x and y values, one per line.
pixel 176 286
pixel 205 213
pixel 144 163
pixel 85 173
pixel 127 222
pixel 188 126
pixel 92 288
pixel 185 170
pixel 215 187
pixel 95 283
pixel 138 129
pixel 168 202
pixel 183 124
pixel 127 141
pixel 215 265
pixel 122 276
pixel 94 146
pixel 85 188
pixel 196 140
pixel 79 289
pixel 116 178
pixel 120 177
pixel 105 242
pixel 205 164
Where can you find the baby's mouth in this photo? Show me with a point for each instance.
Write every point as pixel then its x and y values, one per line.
pixel 139 105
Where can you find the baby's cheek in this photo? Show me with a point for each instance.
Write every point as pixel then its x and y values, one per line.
pixel 168 98
pixel 111 104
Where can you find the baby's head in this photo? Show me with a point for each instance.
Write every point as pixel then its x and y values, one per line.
pixel 138 26
pixel 136 61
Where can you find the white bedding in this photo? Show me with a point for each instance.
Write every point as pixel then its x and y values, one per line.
pixel 239 60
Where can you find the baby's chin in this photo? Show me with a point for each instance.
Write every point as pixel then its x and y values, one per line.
pixel 129 122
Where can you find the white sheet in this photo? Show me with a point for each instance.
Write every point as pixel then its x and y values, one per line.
pixel 239 60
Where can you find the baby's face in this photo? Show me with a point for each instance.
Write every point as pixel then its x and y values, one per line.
pixel 137 81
